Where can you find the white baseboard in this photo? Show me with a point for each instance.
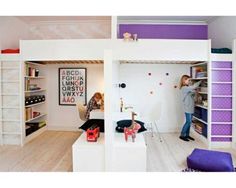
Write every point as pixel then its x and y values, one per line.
pixel 61 128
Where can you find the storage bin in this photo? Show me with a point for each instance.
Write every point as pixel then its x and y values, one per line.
pixel 197 112
pixel 204 130
pixel 200 113
pixel 204 114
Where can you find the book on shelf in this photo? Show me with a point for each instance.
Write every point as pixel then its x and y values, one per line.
pixel 28 113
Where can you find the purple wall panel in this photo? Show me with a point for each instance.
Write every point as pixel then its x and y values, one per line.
pixel 220 139
pixel 221 116
pixel 221 89
pixel 221 103
pixel 221 76
pixel 165 31
pixel 221 129
pixel 221 64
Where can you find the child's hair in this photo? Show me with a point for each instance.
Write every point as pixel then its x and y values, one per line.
pixel 97 95
pixel 183 78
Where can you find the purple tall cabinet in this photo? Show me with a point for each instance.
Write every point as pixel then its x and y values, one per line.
pixel 221 98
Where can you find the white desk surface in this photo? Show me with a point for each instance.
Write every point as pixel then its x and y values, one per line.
pixel 82 141
pixel 97 114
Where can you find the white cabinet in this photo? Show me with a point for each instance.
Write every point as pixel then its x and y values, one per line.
pixel 129 156
pixel 88 156
pixel 10 100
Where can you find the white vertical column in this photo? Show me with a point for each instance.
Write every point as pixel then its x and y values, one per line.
pixel 114 27
pixel 209 97
pixel 1 123
pixel 22 99
pixel 234 95
pixel 108 109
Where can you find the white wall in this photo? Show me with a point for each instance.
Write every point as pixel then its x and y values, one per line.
pixel 66 117
pixel 11 31
pixel 164 104
pixel 222 31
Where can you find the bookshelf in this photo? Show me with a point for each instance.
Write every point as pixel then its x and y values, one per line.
pixel 199 72
pixel 10 100
pixel 35 106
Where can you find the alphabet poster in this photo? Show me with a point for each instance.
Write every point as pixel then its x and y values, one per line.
pixel 72 86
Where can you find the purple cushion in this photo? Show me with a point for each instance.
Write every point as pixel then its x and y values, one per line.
pixel 210 161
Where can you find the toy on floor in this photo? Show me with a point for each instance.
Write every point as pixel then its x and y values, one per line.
pixel 132 130
pixel 93 133
pixel 127 36
pixel 210 161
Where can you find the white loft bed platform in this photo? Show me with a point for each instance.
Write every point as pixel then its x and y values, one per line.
pixel 9 57
pixel 93 49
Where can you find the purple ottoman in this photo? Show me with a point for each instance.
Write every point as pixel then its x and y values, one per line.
pixel 210 161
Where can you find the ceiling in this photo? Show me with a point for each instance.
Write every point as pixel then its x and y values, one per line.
pixel 68 27
pixel 34 19
pixel 204 19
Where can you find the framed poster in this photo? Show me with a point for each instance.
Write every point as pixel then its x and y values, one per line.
pixel 72 86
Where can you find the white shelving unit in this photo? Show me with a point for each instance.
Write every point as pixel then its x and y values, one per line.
pixel 40 81
pixel 205 66
pixel 10 100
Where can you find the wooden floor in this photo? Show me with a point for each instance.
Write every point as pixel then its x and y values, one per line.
pixel 170 154
pixel 52 151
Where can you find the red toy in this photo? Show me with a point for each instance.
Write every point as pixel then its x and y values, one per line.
pixel 10 51
pixel 132 130
pixel 93 133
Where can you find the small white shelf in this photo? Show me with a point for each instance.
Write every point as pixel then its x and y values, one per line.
pixel 10 94
pixel 11 133
pixel 199 120
pixel 35 77
pixel 222 123
pixel 35 134
pixel 10 107
pixel 222 96
pixel 9 68
pixel 36 104
pixel 221 136
pixel 203 93
pixel 9 120
pixel 10 81
pixel 34 63
pixel 222 109
pixel 222 82
pixel 35 91
pixel 40 116
pixel 222 69
pixel 203 78
pixel 201 106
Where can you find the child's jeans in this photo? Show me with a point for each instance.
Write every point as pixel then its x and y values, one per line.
pixel 186 127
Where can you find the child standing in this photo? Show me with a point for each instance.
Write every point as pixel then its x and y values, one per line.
pixel 188 93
